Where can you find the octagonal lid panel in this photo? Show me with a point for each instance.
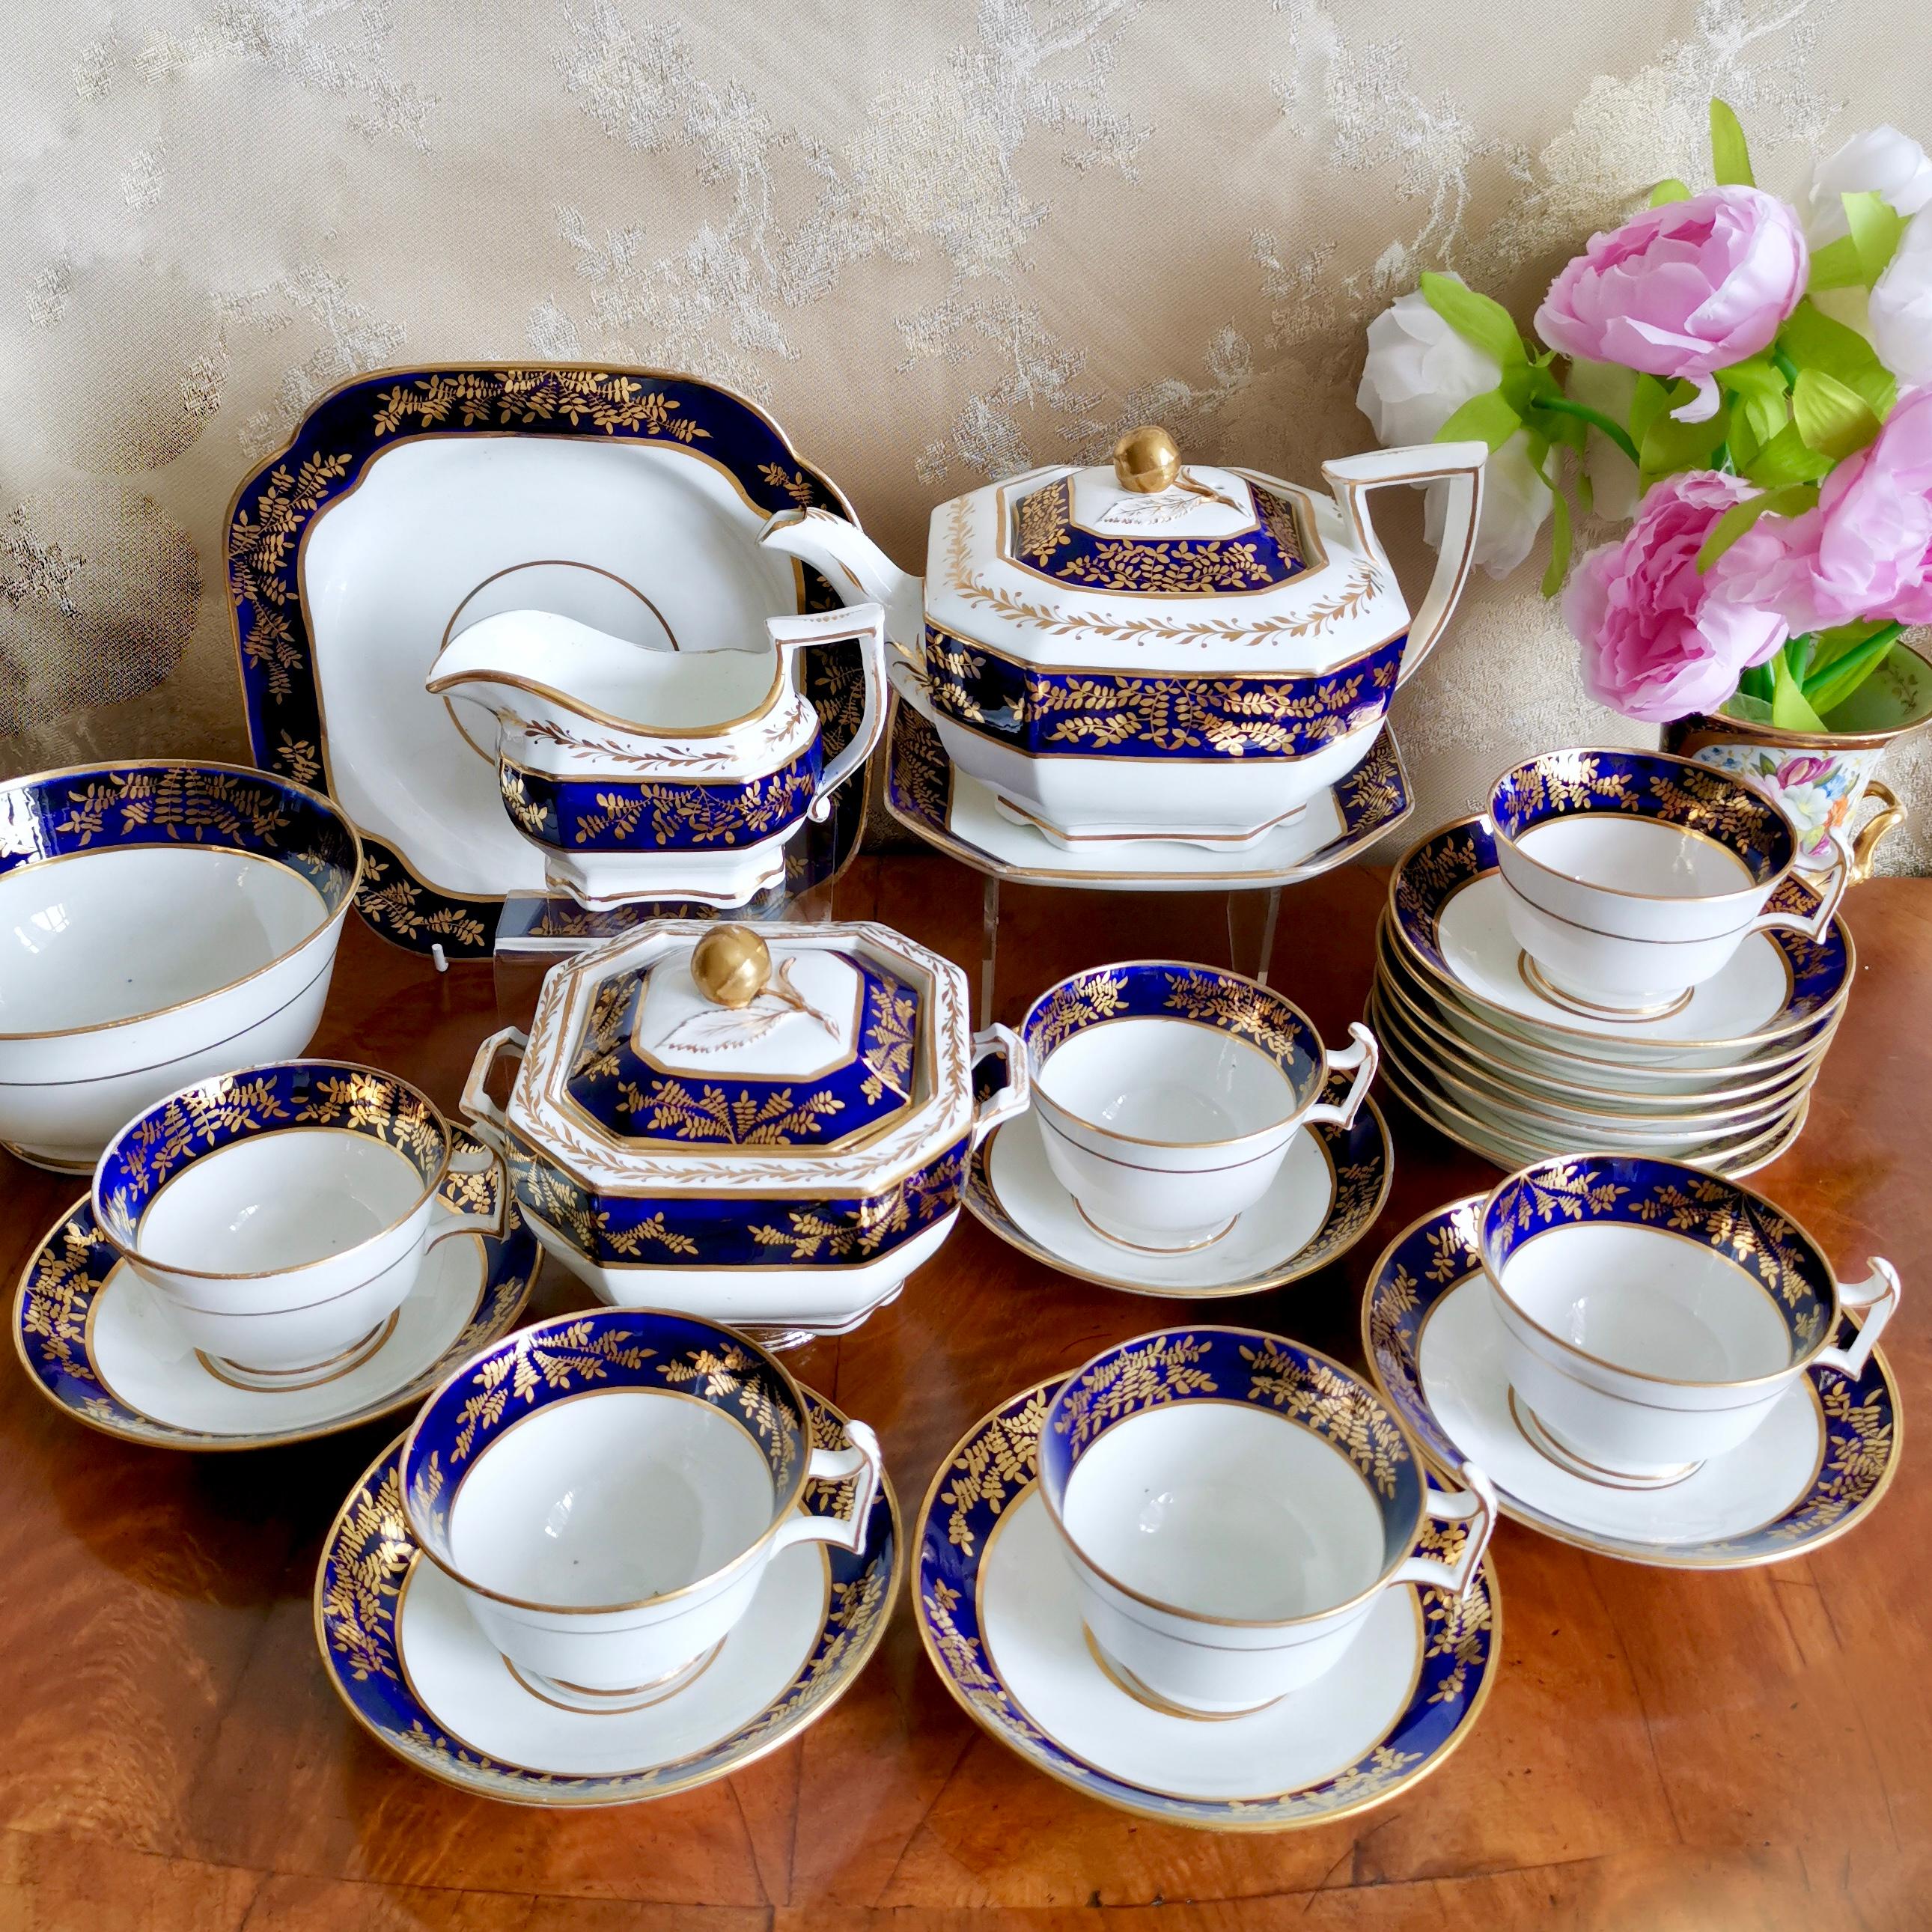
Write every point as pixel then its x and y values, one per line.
pixel 827 1052
pixel 1231 571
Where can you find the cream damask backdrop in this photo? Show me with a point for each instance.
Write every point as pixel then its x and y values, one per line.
pixel 939 241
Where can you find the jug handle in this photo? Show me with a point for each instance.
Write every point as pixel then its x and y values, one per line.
pixel 864 624
pixel 1458 464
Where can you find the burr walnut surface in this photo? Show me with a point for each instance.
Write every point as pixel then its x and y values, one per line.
pixel 1663 1750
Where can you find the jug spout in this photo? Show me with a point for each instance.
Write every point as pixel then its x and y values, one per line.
pixel 855 568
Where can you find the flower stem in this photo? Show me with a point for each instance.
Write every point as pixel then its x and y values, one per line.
pixel 1617 434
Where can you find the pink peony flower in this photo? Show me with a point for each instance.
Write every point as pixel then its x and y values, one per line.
pixel 1866 551
pixel 1683 290
pixel 1659 639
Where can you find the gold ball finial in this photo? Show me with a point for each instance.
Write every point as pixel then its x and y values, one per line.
pixel 1147 459
pixel 731 965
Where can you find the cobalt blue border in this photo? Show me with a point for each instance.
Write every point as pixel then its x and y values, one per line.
pixel 1434 868
pixel 1195 717
pixel 325 460
pixel 984 1479
pixel 366 1561
pixel 72 1264
pixel 1426 1261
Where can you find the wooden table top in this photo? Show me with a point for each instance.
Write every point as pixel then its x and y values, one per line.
pixel 1663 1750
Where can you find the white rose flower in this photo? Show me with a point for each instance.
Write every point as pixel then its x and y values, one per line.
pixel 1419 372
pixel 1881 161
pixel 1901 307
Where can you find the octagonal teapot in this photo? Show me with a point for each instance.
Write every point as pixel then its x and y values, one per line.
pixel 1234 638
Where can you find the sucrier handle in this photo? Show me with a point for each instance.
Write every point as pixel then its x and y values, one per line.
pixel 1877 1296
pixel 478 1107
pixel 1001 1105
pixel 472 1196
pixel 1475 1503
pixel 1364 1054
pixel 864 1460
pixel 1458 464
pixel 864 624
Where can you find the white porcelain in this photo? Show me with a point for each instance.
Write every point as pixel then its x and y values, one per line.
pixel 1324 1196
pixel 783 1166
pixel 158 922
pixel 648 773
pixel 1631 876
pixel 1168 1094
pixel 1652 1316
pixel 282 1213
pixel 609 1534
pixel 106 1350
pixel 1227 1550
pixel 1812 1470
pixel 1242 636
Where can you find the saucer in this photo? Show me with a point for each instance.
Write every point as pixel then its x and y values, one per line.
pixel 98 1343
pixel 409 503
pixel 1816 1468
pixel 1446 901
pixel 407 1658
pixel 998 1614
pixel 1330 1188
pixel 959 815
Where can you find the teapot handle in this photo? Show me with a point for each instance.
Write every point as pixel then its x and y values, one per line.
pixel 1458 464
pixel 866 624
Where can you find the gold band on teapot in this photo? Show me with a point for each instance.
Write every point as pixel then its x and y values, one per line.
pixel 731 965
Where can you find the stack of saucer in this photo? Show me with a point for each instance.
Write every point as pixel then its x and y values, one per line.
pixel 1484 1045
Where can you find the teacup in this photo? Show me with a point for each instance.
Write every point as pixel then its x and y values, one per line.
pixel 607 1489
pixel 1653 1315
pixel 1631 877
pixel 282 1213
pixel 1167 1095
pixel 1232 1505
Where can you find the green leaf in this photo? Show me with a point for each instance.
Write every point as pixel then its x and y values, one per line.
pixel 1730 159
pixel 1669 446
pixel 1650 399
pixel 1830 646
pixel 1876 227
pixel 1789 708
pixel 1759 386
pixel 1810 339
pixel 1668 190
pixel 1836 266
pixel 1561 537
pixel 1484 419
pixel 1786 458
pixel 1828 686
pixel 1791 501
pixel 1475 318
pixel 1833 418
pixel 1754 689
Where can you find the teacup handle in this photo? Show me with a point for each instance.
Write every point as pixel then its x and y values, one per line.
pixel 1016 1094
pixel 1478 1500
pixel 864 624
pixel 835 1465
pixel 472 1198
pixel 1877 1294
pixel 1815 924
pixel 1365 1055
pixel 482 1112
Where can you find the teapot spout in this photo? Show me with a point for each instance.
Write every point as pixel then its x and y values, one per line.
pixel 855 568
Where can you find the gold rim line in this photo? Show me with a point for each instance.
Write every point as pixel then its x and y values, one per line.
pixel 1796 1365
pixel 1053 834
pixel 1322 1616
pixel 155 1434
pixel 1624 1550
pixel 1750 792
pixel 1405 1033
pixel 782 1508
pixel 1715 728
pixel 1762 1035
pixel 860 1655
pixel 389 373
pixel 1288 1124
pixel 1532 972
pixel 1015 1236
pixel 1579 1096
pixel 1163 1812
pixel 321 800
pixel 140 1261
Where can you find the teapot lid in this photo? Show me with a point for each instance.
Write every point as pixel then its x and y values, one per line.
pixel 736 1042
